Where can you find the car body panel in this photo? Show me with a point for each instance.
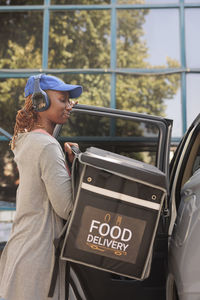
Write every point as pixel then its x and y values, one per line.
pixel 184 247
pixel 184 258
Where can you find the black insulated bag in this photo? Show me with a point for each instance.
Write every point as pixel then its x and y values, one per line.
pixel 117 206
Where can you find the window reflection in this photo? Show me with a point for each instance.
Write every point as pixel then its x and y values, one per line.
pixel 146 1
pixel 82 2
pixel 9 173
pixel 156 95
pixel 21 2
pixel 193 92
pixel 192 24
pixel 192 1
pixel 11 100
pixel 135 139
pixel 21 40
pixel 145 38
pixel 174 111
pixel 79 39
pixel 96 88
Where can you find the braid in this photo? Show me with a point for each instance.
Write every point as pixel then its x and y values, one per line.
pixel 25 120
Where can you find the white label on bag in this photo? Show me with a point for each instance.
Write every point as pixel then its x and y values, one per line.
pixel 110 234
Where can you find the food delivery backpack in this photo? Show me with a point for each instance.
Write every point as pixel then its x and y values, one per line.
pixel 118 201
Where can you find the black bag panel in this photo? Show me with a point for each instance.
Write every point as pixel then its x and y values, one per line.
pixel 116 213
pixel 100 285
pixel 107 180
pixel 117 261
pixel 123 165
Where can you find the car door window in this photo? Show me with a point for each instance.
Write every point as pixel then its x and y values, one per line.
pixel 192 159
pixel 132 136
pixel 185 163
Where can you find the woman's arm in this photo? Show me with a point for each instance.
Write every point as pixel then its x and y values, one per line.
pixel 56 179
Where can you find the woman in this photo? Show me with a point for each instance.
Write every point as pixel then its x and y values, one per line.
pixel 44 193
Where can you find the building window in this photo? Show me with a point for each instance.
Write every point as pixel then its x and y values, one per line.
pixel 137 55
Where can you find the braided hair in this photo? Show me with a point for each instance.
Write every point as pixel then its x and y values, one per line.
pixel 25 120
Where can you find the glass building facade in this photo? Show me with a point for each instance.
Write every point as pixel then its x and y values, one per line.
pixel 138 55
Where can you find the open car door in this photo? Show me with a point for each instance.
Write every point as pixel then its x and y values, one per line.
pixel 142 138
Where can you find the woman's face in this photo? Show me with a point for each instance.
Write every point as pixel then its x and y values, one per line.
pixel 60 107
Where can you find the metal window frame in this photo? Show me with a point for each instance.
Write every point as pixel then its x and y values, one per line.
pixel 47 7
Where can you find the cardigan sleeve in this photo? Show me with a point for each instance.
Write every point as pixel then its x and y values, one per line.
pixel 56 179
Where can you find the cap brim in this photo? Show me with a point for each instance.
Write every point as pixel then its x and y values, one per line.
pixel 74 90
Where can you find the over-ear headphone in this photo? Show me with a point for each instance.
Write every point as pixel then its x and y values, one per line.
pixel 39 98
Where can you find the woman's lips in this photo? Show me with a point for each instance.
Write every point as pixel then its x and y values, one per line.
pixel 66 114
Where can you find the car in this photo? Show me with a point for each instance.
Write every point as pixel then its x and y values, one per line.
pixel 147 139
pixel 183 274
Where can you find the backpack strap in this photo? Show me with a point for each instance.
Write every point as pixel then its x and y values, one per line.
pixel 58 242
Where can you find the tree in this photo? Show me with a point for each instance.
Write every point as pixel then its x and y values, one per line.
pixel 81 39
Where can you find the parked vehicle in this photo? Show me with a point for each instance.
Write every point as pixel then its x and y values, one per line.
pixel 184 275
pixel 145 138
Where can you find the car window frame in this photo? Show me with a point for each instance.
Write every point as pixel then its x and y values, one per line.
pixel 164 125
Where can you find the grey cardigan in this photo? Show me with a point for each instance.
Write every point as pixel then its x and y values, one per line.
pixel 43 200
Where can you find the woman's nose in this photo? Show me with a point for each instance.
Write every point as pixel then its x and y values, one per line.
pixel 69 105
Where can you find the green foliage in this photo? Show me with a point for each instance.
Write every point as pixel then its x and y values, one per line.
pixel 147 93
pixel 81 39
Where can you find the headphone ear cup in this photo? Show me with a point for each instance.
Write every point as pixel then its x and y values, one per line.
pixel 40 101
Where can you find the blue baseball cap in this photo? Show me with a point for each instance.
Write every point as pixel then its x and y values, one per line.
pixel 48 82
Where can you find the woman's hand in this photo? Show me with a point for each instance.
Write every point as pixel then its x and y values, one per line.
pixel 72 102
pixel 68 150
